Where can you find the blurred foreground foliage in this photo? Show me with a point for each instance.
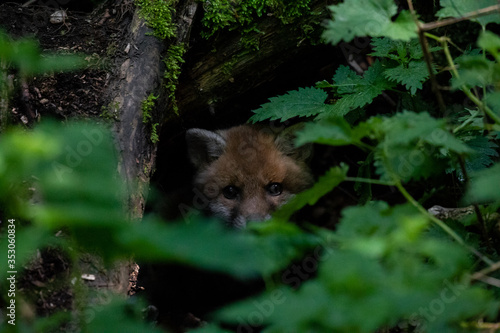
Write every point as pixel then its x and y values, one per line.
pixel 383 267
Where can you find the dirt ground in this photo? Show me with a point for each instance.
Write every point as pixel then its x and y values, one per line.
pixel 71 94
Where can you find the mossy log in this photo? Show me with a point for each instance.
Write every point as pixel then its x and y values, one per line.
pixel 137 74
pixel 221 75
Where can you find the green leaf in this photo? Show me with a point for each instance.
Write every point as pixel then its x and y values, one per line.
pixel 396 50
pixel 25 55
pixel 493 100
pixel 458 8
pixel 117 315
pixel 475 70
pixel 346 80
pixel 283 242
pixel 359 18
pixel 203 244
pixel 414 145
pixel 387 265
pixel 405 162
pixel 50 63
pixel 357 91
pixel 333 131
pixel 411 76
pixel 324 185
pixel 209 328
pixel 409 70
pixel 484 150
pixel 304 102
pixel 490 42
pixel 473 119
pixel 484 186
pixel 264 248
pixel 75 171
pixel 408 127
pixel 343 106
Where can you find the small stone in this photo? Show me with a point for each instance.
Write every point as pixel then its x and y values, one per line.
pixel 58 16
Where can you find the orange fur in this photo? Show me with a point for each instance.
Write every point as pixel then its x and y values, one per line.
pixel 250 160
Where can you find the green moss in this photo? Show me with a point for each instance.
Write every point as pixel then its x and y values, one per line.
pixel 227 67
pixel 250 38
pixel 158 15
pixel 147 109
pixel 110 112
pixel 223 14
pixel 154 135
pixel 173 62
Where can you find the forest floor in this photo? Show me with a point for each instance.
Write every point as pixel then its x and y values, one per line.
pixel 70 94
pixel 46 282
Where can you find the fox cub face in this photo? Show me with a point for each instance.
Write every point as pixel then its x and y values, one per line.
pixel 245 172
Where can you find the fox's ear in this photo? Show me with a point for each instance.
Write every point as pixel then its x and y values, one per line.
pixel 285 143
pixel 204 146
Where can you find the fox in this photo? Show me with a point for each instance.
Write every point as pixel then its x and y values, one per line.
pixel 248 171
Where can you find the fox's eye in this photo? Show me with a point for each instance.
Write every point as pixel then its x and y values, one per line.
pixel 230 192
pixel 274 189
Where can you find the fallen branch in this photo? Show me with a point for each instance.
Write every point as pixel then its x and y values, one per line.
pixel 468 16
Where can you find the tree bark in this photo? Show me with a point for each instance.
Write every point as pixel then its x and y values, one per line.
pixel 138 74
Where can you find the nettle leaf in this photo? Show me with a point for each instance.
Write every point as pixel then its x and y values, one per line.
pixel 408 70
pixel 359 18
pixel 334 132
pixel 324 185
pixel 387 265
pixel 282 242
pixel 493 100
pixel 490 42
pixel 27 56
pixel 414 145
pixel 75 170
pixel 304 102
pixel 357 91
pixel 398 50
pixel 346 80
pixel 411 76
pixel 475 70
pixel 204 244
pixel 484 186
pixel 458 8
pixel 406 162
pixel 343 106
pixel 474 119
pixel 264 248
pixel 117 314
pixel 407 127
pixel 388 48
pixel 484 150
